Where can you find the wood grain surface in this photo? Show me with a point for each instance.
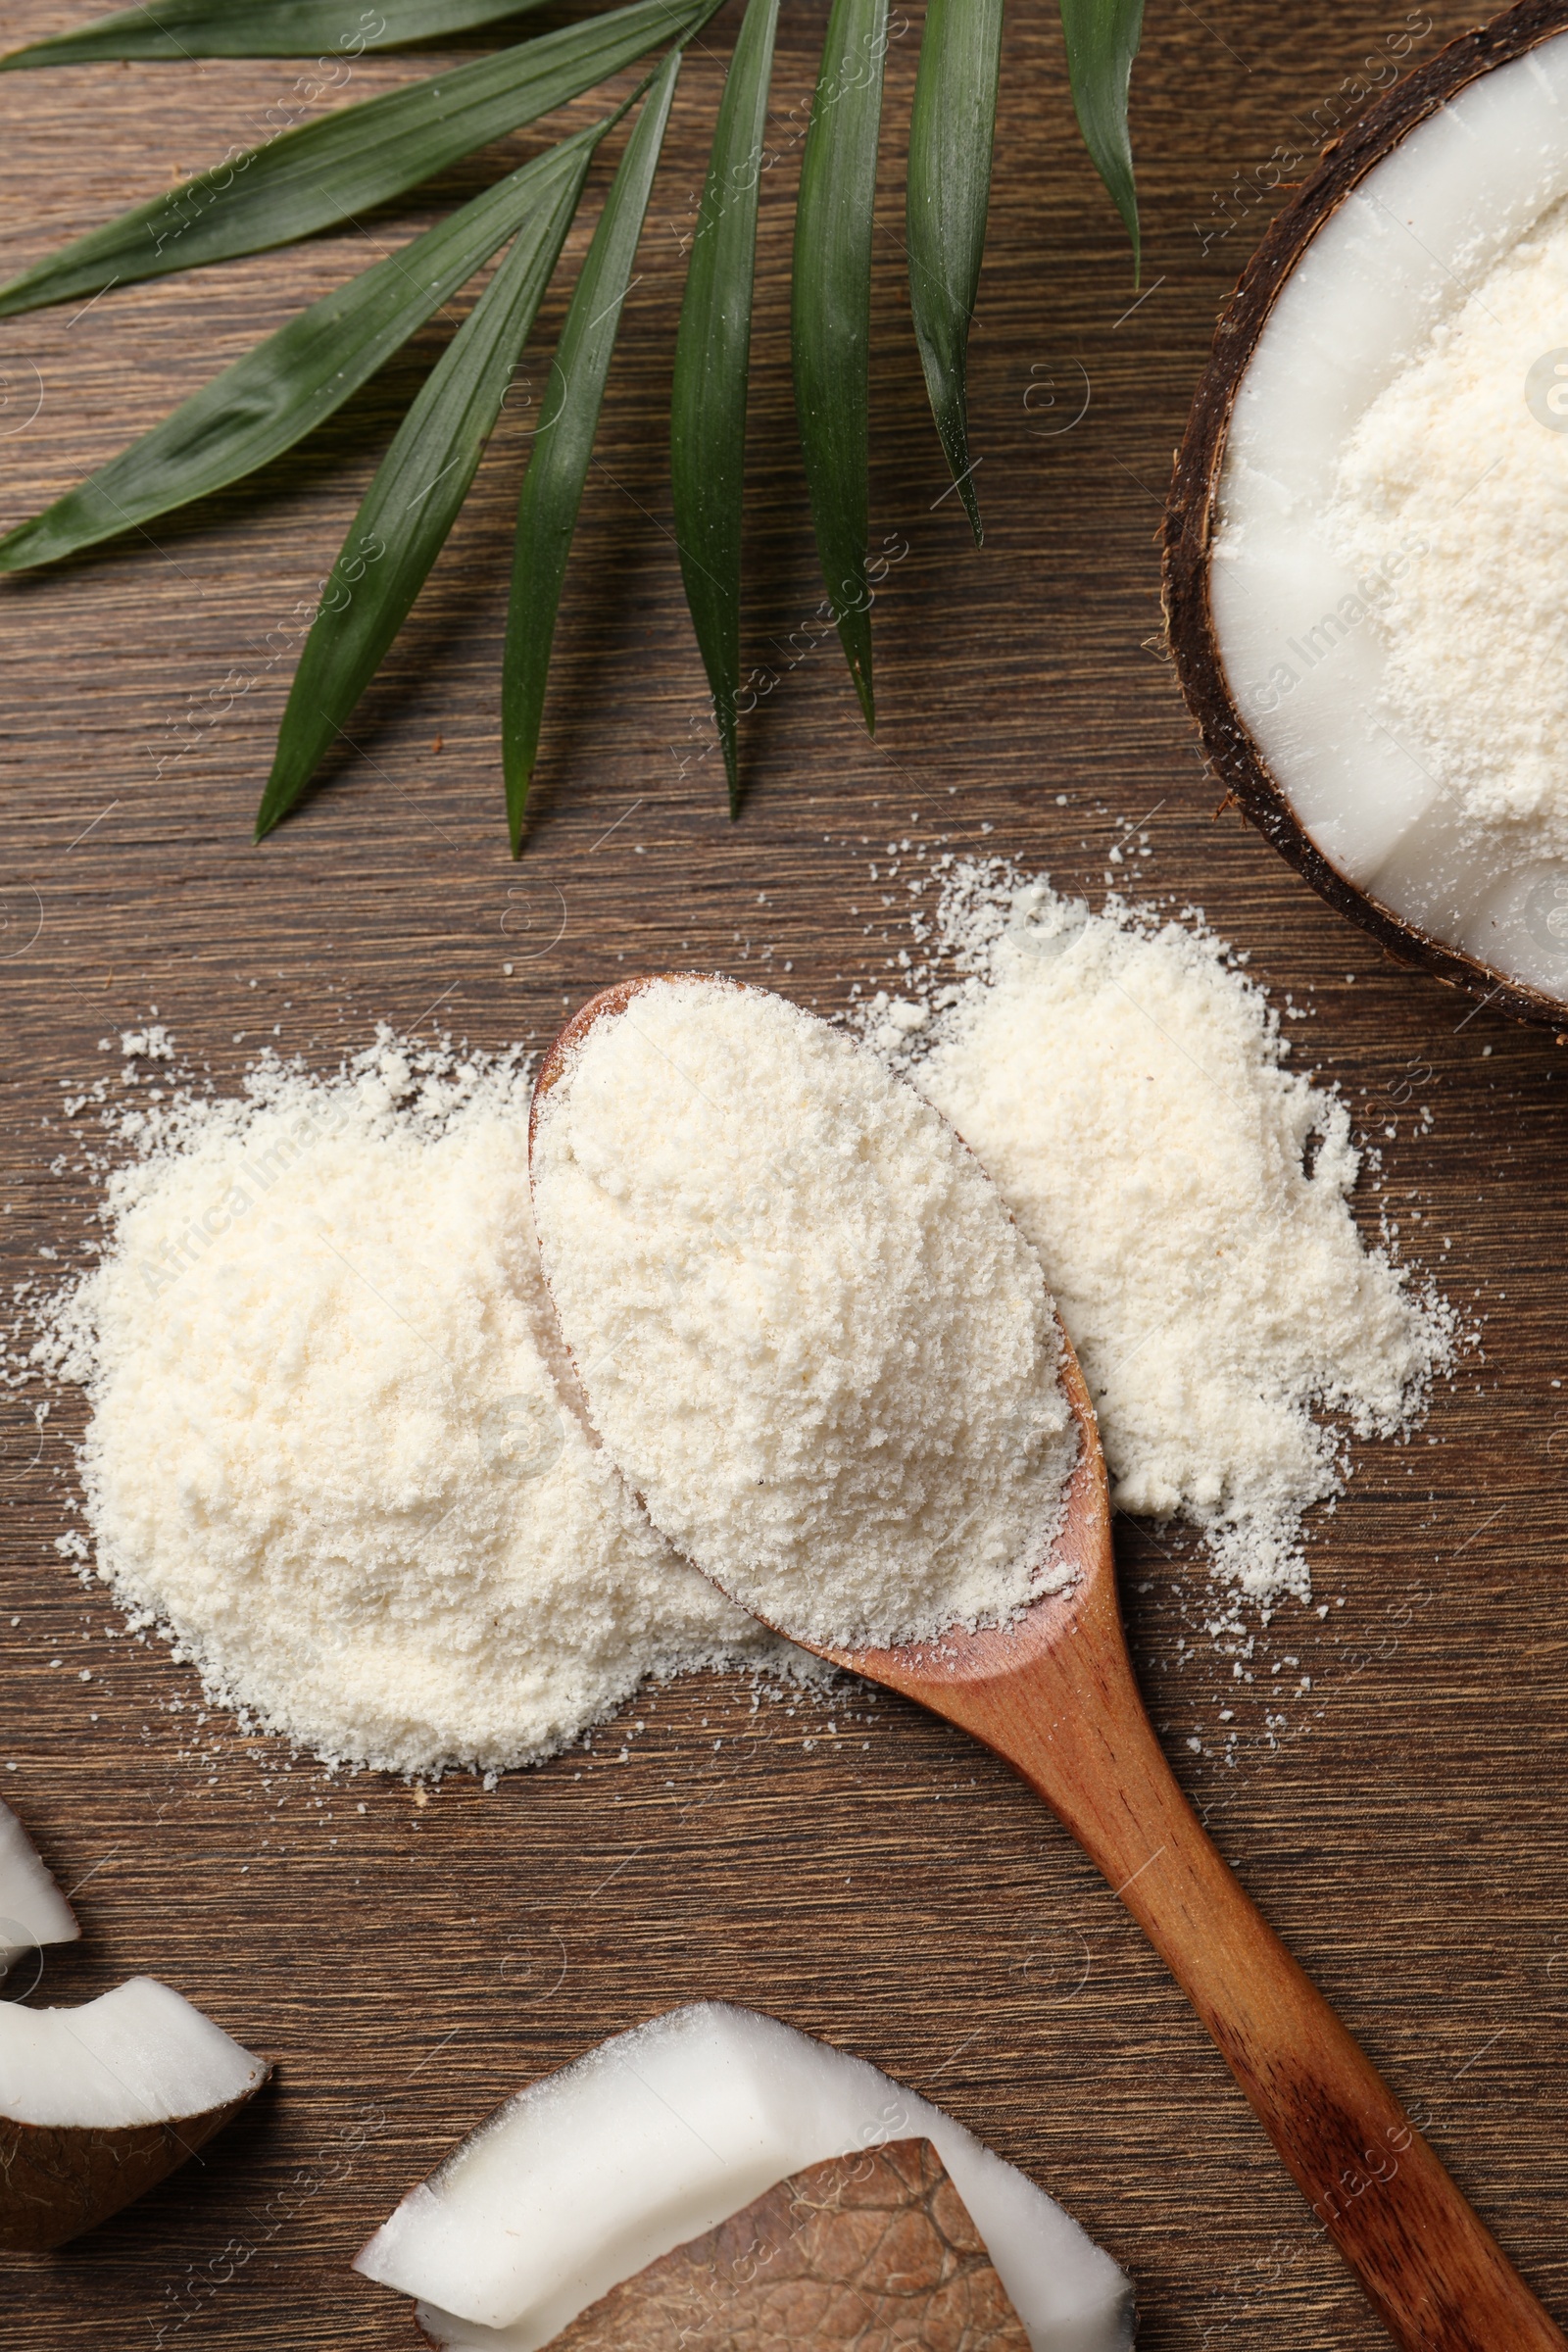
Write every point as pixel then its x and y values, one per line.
pixel 861 1871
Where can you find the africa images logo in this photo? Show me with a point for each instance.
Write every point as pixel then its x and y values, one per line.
pixel 1546 391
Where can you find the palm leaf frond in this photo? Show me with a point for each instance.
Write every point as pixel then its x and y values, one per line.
pixel 180 30
pixel 341 166
pixel 830 317
pixel 713 357
pixel 563 448
pixel 423 479
pixel 1102 37
pixel 951 131
pixel 285 386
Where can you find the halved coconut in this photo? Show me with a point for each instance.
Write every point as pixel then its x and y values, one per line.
pixel 660 2134
pixel 33 1910
pixel 98 2103
pixel 1331 580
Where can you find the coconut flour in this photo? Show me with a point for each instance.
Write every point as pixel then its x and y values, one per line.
pixel 808 1330
pixel 333 1450
pixel 1123 1081
pixel 336 1453
pixel 1452 491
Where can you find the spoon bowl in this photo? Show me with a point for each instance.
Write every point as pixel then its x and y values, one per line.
pixel 1052 1693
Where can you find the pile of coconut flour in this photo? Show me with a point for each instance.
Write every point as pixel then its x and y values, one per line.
pixel 333 1448
pixel 1453 488
pixel 808 1330
pixel 1123 1081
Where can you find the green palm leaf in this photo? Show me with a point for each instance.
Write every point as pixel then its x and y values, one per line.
pixel 287 386
pixel 326 171
pixel 422 481
pixel 712 356
pixel 315 173
pixel 187 28
pixel 1102 37
pixel 831 314
pixel 553 487
pixel 951 128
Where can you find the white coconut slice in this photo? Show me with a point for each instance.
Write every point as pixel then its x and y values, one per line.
pixel 660 2134
pixel 33 1909
pixel 98 2103
pixel 1315 559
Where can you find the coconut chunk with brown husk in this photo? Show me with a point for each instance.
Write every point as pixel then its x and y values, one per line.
pixel 99 2103
pixel 860 2254
pixel 658 2138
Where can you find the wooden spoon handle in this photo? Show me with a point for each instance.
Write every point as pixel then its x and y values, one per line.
pixel 1075 1727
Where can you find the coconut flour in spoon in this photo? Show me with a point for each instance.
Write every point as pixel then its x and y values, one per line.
pixel 808 1330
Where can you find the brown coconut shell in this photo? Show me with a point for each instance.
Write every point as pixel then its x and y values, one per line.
pixel 1190 509
pixel 857 2254
pixel 57 2181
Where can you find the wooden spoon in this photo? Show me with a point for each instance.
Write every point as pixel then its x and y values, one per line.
pixel 1053 1693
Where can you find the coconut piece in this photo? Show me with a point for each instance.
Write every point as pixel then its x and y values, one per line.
pixel 98 2103
pixel 661 2134
pixel 1278 647
pixel 853 2255
pixel 33 1909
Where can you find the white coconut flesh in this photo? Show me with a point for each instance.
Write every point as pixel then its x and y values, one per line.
pixel 33 1909
pixel 657 2136
pixel 1304 638
pixel 139 2055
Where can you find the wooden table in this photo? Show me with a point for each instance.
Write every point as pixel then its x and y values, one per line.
pixel 883 1885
